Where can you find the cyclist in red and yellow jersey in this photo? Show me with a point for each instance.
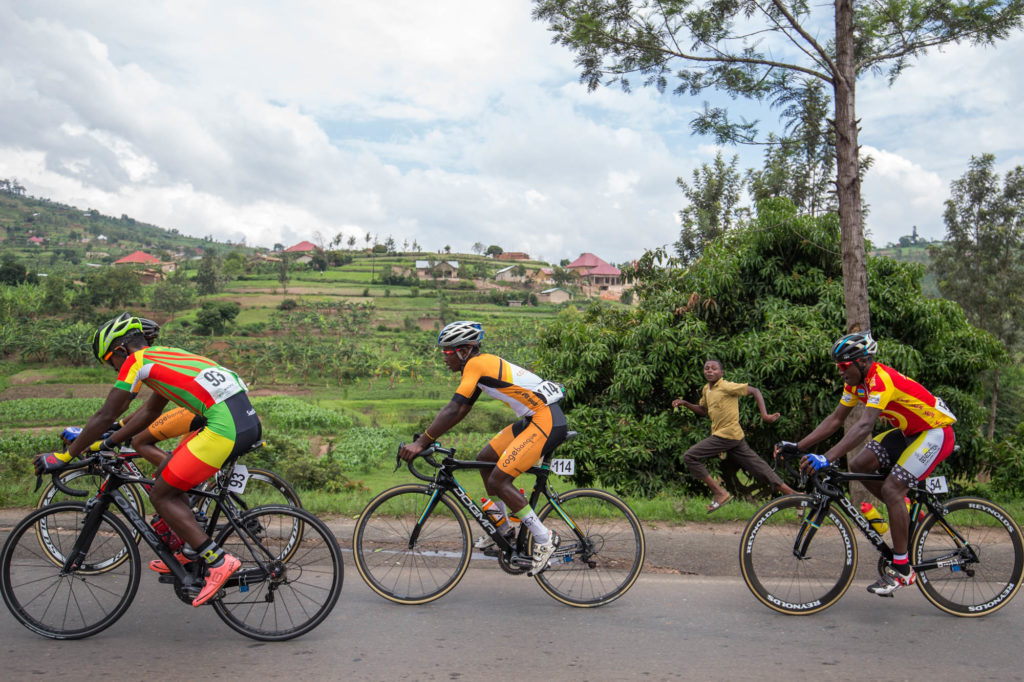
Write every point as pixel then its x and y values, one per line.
pixel 190 381
pixel 540 429
pixel 921 437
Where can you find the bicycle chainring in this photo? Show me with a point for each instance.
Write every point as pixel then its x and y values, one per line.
pixel 509 565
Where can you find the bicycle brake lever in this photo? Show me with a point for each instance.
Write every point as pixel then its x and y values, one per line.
pixel 398 459
pixel 39 482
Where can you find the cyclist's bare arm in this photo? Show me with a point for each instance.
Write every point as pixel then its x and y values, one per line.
pixel 826 428
pixel 113 407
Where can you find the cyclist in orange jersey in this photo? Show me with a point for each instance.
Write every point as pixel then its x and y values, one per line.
pixel 191 381
pixel 540 429
pixel 921 437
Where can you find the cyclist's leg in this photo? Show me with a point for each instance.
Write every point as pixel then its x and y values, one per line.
pixel 880 454
pixel 545 430
pixel 170 424
pixel 917 461
pixel 232 428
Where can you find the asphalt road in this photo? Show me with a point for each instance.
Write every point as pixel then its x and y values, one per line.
pixel 501 627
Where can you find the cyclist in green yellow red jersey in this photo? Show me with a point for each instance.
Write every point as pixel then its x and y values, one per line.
pixel 190 381
pixel 519 446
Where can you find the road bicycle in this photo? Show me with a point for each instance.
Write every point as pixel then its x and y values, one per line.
pixel 412 543
pixel 798 554
pixel 247 486
pixel 71 569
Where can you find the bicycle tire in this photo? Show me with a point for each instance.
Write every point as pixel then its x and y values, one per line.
pixel 48 602
pixel 602 566
pixel 51 494
pixel 305 579
pixel 264 487
pixel 782 581
pixel 973 588
pixel 408 574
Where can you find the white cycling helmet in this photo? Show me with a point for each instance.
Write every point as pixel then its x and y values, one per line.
pixel 461 333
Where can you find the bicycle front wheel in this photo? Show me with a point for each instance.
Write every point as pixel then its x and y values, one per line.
pixel 979 547
pixel 87 483
pixel 411 544
pixel 792 567
pixel 59 605
pixel 290 578
pixel 601 552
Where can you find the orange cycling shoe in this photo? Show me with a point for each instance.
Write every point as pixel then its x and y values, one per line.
pixel 217 576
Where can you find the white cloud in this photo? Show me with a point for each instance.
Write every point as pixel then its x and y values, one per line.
pixel 449 122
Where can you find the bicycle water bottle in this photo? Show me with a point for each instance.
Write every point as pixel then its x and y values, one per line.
pixel 920 514
pixel 491 509
pixel 874 518
pixel 164 532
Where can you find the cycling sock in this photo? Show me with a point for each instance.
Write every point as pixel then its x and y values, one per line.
pixel 529 517
pixel 901 562
pixel 211 552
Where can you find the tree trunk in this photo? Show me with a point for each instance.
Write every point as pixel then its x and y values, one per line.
pixel 855 277
pixel 992 407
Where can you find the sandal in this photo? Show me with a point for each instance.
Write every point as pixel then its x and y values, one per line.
pixel 716 505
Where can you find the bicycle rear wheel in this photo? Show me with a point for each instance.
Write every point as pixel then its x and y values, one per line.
pixel 263 488
pixel 72 605
pixel 980 545
pixel 779 578
pixel 600 566
pixel 406 555
pixel 289 581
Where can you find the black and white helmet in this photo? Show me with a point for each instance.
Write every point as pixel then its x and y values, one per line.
pixel 854 347
pixel 461 333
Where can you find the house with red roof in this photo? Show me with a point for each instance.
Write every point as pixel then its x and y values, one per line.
pixel 595 271
pixel 150 268
pixel 302 247
pixel 137 258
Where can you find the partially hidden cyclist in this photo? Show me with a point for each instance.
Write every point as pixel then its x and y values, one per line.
pixel 921 437
pixel 540 429
pixel 191 381
pixel 173 423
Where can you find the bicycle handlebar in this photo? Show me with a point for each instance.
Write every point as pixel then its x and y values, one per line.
pixel 428 454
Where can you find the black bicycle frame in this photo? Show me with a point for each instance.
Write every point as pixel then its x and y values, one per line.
pixel 828 492
pixel 444 481
pixel 109 493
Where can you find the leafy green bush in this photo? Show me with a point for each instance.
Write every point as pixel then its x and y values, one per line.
pixel 362 448
pixel 289 456
pixel 291 414
pixel 767 300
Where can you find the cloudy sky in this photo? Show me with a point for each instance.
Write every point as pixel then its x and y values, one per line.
pixel 449 122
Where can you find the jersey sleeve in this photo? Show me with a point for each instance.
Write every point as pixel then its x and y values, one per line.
pixel 128 375
pixel 469 390
pixel 849 398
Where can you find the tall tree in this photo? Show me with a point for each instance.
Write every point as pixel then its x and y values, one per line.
pixel 728 46
pixel 980 265
pixel 713 206
pixel 173 294
pixel 209 274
